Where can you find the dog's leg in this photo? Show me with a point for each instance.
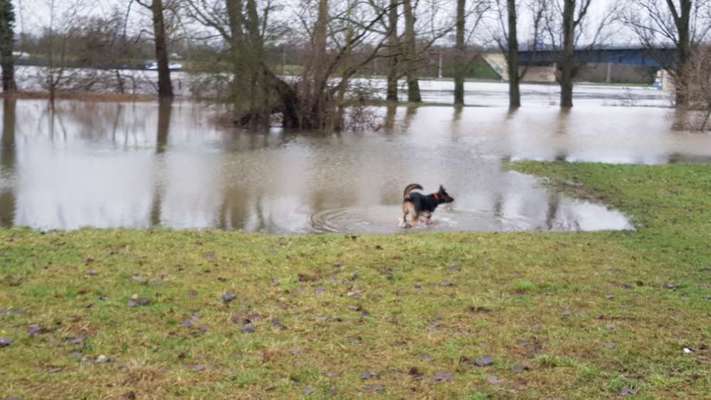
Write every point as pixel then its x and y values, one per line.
pixel 414 217
pixel 428 218
pixel 405 213
pixel 404 223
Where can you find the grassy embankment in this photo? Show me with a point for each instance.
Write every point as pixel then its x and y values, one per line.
pixel 574 316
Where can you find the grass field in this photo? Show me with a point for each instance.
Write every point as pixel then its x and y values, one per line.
pixel 113 314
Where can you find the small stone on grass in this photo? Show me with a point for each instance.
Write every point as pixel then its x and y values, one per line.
pixel 367 375
pixel 374 388
pixel 35 330
pixel 136 301
pixel 228 297
pixel 484 361
pixel 628 391
pixel 443 376
pixel 102 359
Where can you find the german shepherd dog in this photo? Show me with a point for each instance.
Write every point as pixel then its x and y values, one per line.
pixel 415 204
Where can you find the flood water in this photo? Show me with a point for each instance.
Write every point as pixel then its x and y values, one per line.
pixel 139 165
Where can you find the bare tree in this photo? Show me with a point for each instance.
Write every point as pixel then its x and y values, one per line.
pixel 574 11
pixel 683 24
pixel 410 50
pixel 512 55
pixel 696 89
pixel 508 40
pixel 478 8
pixel 165 86
pixel 340 39
pixel 61 29
pixel 565 26
pixel 7 45
pixel 460 46
pixel 393 51
pixel 255 88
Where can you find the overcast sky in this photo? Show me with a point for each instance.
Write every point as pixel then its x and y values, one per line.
pixel 33 14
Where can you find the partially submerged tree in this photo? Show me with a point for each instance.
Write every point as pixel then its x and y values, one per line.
pixel 574 11
pixel 696 89
pixel 410 50
pixel 62 27
pixel 566 26
pixel 315 98
pixel 507 38
pixel 394 51
pixel 406 53
pixel 683 24
pixel 7 45
pixel 460 45
pixel 157 9
pixel 477 8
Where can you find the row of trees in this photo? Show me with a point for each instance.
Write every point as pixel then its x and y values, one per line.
pixel 340 38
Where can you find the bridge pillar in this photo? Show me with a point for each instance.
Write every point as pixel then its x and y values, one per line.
pixel 665 81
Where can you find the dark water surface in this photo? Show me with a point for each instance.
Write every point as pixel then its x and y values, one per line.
pixel 140 165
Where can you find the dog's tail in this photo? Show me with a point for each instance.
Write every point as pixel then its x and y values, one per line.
pixel 409 188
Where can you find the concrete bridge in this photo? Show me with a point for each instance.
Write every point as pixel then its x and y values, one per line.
pixel 638 56
pixel 541 64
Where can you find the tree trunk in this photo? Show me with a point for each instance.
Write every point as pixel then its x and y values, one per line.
pixel 567 62
pixel 413 85
pixel 316 104
pixel 234 14
pixel 7 159
pixel 459 67
pixel 682 20
pixel 7 45
pixel 165 87
pixel 393 50
pixel 512 58
pixel 259 91
pixel 7 142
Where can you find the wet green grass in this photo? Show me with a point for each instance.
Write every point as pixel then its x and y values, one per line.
pixel 574 316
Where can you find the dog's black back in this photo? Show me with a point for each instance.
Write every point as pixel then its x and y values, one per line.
pixel 424 202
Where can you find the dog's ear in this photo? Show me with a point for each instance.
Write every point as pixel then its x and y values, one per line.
pixel 441 189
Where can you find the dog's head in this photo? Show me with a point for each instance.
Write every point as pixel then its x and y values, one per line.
pixel 443 196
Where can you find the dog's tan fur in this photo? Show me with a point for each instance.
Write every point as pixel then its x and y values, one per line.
pixel 409 211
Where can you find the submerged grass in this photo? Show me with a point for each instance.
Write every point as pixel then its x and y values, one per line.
pixel 472 316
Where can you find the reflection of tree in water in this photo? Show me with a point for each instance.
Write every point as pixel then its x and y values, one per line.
pixel 7 160
pixel 234 210
pixel 410 113
pixel 165 110
pixel 498 205
pixel 561 152
pixel 552 210
pixel 390 114
pixel 264 220
pixel 96 121
pixel 456 120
